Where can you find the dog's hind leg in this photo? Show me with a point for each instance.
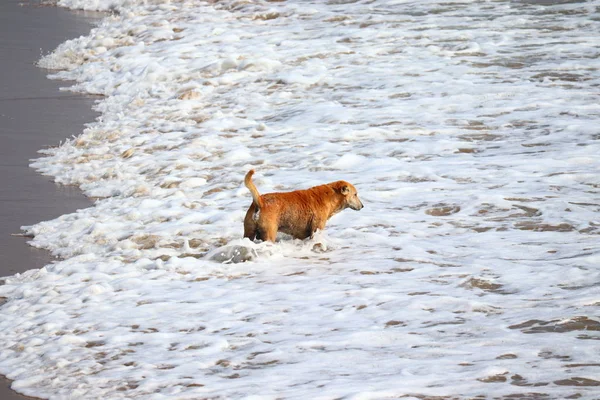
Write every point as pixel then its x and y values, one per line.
pixel 250 233
pixel 250 230
pixel 269 233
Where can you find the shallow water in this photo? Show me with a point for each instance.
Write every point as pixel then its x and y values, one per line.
pixel 471 132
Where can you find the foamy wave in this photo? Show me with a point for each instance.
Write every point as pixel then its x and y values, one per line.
pixel 470 130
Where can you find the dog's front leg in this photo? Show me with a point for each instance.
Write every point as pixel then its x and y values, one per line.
pixel 317 224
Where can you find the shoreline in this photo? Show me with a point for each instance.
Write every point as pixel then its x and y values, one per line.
pixel 34 114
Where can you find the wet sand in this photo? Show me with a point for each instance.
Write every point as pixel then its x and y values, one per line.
pixel 33 114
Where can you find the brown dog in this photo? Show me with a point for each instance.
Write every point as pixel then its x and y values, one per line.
pixel 299 213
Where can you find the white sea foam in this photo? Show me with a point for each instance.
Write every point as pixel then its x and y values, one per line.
pixel 470 130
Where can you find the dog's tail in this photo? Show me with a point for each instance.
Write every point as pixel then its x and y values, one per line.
pixel 250 185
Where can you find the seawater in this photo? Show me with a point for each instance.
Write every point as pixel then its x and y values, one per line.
pixel 470 130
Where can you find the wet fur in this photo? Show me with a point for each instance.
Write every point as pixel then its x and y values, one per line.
pixel 299 213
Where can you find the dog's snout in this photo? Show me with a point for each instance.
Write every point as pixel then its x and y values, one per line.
pixel 357 205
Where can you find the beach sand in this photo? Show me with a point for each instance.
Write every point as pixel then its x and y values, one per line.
pixel 33 114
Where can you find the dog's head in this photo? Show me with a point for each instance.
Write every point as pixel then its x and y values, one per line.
pixel 350 196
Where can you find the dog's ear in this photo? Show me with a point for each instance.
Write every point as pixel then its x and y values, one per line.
pixel 345 190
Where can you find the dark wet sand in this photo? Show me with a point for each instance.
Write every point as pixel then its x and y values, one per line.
pixel 33 114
